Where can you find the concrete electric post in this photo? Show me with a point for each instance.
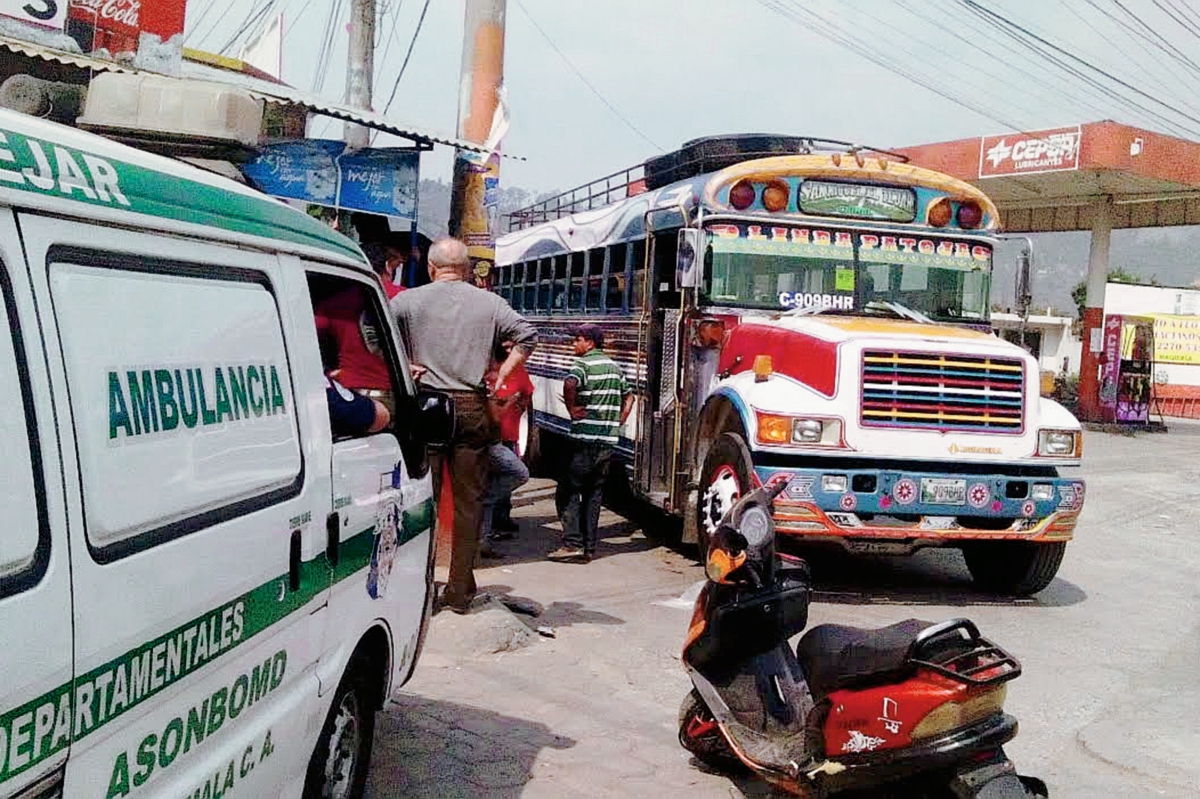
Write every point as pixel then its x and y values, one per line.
pixel 476 183
pixel 360 69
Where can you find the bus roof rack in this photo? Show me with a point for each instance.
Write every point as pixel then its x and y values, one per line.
pixel 711 153
pixel 693 158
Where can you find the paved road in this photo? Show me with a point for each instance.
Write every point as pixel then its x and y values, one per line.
pixel 1108 703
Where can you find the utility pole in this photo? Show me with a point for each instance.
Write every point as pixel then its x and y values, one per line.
pixel 360 69
pixel 475 184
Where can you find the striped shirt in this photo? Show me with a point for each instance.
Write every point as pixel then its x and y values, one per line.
pixel 601 389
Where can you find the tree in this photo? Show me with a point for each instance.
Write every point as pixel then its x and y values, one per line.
pixel 1117 275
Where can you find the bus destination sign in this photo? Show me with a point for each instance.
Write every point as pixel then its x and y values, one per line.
pixel 862 200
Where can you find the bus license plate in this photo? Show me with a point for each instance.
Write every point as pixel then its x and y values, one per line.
pixel 943 491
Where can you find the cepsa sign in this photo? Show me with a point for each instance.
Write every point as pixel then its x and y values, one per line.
pixel 51 13
pixel 1054 150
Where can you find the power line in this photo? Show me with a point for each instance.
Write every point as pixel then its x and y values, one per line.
pixel 299 16
pixel 251 21
pixel 586 82
pixel 412 43
pixel 1022 35
pixel 870 51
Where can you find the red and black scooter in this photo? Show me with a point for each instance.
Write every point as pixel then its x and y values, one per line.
pixel 915 709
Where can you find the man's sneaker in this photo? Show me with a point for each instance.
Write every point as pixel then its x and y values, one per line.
pixel 505 526
pixel 500 535
pixel 567 553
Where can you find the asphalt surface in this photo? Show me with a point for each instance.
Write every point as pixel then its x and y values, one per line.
pixel 1109 699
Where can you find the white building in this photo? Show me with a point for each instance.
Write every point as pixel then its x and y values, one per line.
pixel 1050 338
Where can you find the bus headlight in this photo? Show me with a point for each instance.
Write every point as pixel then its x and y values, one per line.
pixel 807 431
pixel 1059 443
pixel 778 429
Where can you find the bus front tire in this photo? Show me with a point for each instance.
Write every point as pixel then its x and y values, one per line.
pixel 338 768
pixel 1019 568
pixel 728 473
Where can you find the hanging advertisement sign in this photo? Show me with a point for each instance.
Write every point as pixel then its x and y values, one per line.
pixel 1055 150
pixel 47 13
pixel 145 33
pixel 377 181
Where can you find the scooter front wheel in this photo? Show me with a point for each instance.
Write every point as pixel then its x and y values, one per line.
pixel 700 735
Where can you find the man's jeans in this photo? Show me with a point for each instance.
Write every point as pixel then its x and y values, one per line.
pixel 508 474
pixel 579 493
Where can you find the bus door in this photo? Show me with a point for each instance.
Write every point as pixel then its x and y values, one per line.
pixel 657 461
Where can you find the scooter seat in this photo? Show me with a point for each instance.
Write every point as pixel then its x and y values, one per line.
pixel 834 656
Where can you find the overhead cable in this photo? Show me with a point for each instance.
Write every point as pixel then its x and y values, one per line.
pixel 412 43
pixel 585 81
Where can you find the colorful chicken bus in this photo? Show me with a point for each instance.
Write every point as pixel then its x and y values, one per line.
pixel 807 312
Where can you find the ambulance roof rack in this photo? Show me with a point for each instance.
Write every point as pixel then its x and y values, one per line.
pixel 693 158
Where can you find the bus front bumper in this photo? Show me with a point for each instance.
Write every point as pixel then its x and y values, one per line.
pixel 906 509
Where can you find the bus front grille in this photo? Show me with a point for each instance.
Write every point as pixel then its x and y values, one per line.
pixel 938 391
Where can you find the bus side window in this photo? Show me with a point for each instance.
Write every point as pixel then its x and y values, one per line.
pixel 501 285
pixel 517 295
pixel 637 277
pixel 558 297
pixel 595 279
pixel 614 284
pixel 529 285
pixel 576 280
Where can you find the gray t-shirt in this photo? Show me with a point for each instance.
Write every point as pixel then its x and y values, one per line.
pixel 452 327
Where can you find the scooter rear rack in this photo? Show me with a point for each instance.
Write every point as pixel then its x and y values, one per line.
pixel 955 649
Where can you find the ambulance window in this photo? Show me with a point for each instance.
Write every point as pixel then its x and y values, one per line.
pixel 356 353
pixel 181 394
pixel 25 535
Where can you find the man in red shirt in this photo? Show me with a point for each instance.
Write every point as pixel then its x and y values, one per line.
pixel 508 402
pixel 348 323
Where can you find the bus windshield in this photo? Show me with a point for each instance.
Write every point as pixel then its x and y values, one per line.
pixel 779 268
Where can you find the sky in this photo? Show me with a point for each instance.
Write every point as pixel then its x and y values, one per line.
pixel 596 87
pixel 680 69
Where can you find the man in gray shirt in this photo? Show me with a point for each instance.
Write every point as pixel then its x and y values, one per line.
pixel 451 328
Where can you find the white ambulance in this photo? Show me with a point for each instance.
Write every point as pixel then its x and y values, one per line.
pixel 203 592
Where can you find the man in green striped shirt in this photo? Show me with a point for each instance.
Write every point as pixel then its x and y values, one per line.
pixel 599 399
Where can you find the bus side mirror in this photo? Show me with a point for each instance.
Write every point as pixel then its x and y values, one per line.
pixel 688 258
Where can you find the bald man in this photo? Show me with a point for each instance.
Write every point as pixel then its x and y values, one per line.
pixel 451 329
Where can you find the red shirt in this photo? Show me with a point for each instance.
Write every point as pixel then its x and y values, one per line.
pixel 344 320
pixel 510 421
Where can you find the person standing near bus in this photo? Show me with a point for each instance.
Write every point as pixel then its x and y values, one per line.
pixel 599 399
pixel 450 328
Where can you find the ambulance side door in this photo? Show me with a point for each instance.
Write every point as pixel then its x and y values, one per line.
pixel 35 588
pixel 197 541
pixel 382 507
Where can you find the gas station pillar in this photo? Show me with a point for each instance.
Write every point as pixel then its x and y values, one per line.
pixel 1093 314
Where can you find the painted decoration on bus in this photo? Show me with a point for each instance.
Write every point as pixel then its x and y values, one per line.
pixel 1055 150
pixel 862 200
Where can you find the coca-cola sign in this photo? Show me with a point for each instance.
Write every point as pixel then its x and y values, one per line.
pixel 111 13
pixel 137 31
pixel 47 13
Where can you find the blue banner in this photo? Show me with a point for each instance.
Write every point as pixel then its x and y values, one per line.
pixel 378 181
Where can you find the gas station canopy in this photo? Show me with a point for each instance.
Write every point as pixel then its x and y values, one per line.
pixel 1051 180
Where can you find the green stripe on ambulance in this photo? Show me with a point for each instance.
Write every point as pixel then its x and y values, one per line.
pixel 44 726
pixel 47 168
